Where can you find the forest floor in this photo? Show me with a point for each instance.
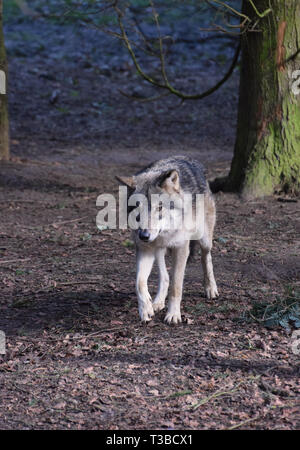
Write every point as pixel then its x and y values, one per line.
pixel 76 354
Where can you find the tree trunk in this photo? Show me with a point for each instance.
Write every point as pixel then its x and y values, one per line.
pixel 4 130
pixel 267 150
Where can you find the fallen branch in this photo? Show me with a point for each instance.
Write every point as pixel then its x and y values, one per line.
pixel 240 424
pixel 57 224
pixel 70 283
pixel 223 393
pixel 14 260
pixel 216 395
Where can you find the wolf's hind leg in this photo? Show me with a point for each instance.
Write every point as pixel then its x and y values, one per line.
pixel 210 285
pixel 145 261
pixel 163 286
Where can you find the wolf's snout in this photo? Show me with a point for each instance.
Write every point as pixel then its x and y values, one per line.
pixel 144 235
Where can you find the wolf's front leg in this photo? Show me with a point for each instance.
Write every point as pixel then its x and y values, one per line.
pixel 145 259
pixel 180 256
pixel 159 301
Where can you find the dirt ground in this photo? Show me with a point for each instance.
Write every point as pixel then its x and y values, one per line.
pixel 77 356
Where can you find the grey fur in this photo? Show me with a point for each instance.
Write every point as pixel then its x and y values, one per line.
pixel 191 173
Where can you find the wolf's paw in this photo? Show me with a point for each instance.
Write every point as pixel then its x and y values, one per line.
pixel 158 304
pixel 173 317
pixel 211 291
pixel 146 312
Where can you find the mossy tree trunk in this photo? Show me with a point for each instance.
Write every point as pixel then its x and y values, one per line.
pixel 4 129
pixel 267 150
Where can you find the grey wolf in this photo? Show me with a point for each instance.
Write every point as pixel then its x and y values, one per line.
pixel 173 177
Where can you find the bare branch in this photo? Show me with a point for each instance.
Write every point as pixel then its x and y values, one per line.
pixel 260 15
pixel 166 84
pixel 161 49
pixel 131 52
pixel 232 10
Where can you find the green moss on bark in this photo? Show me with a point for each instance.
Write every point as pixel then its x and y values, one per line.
pixel 267 150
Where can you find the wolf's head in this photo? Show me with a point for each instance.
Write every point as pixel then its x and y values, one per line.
pixel 155 203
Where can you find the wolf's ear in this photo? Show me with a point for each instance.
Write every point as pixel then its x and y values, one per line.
pixel 170 181
pixel 127 181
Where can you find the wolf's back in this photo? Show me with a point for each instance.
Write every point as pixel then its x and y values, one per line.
pixel 191 172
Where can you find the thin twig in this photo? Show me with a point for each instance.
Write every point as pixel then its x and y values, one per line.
pixel 70 283
pixel 216 395
pixel 161 49
pixel 260 15
pixel 223 393
pixel 131 52
pixel 14 260
pixel 234 11
pixel 54 224
pixel 240 424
